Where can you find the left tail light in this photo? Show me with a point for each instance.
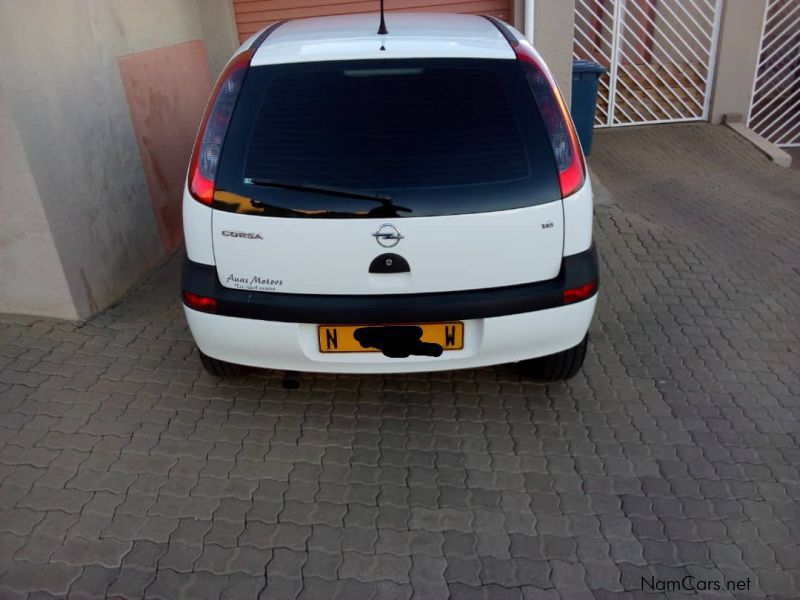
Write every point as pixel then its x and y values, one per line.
pixel 563 139
pixel 207 147
pixel 201 303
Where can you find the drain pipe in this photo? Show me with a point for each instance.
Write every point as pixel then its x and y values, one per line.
pixel 527 20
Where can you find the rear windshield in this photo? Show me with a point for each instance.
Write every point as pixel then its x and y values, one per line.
pixel 429 137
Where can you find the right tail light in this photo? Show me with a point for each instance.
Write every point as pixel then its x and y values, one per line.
pixel 563 139
pixel 582 292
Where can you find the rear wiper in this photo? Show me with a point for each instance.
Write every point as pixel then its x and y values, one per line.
pixel 317 189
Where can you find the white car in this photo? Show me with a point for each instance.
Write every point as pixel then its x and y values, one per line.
pixel 367 202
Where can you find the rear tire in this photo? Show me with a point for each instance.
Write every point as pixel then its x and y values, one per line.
pixel 557 367
pixel 220 368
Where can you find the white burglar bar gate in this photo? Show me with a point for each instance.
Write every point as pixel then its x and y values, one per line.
pixel 659 55
pixel 775 107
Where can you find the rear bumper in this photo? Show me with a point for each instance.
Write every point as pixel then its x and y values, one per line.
pixel 576 270
pixel 501 325
pixel 294 346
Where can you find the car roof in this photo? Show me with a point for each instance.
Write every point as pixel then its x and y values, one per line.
pixel 355 37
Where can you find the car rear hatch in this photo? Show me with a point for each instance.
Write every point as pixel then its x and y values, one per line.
pixel 329 170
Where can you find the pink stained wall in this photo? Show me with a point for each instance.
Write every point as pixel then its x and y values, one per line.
pixel 166 89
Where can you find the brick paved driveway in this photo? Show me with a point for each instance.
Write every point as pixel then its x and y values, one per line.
pixel 126 471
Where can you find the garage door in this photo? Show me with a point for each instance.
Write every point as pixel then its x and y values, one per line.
pixel 252 15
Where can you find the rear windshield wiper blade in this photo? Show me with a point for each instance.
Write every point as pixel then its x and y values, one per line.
pixel 317 189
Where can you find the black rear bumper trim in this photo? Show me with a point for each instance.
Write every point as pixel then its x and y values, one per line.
pixel 576 270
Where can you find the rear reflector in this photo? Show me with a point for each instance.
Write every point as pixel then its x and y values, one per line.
pixel 201 303
pixel 207 147
pixel 563 139
pixel 579 293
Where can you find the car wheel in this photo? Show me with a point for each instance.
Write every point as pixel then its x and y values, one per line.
pixel 559 366
pixel 220 368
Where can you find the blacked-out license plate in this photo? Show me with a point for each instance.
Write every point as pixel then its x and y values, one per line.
pixel 357 338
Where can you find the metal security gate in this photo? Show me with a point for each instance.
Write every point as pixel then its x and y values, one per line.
pixel 775 107
pixel 659 54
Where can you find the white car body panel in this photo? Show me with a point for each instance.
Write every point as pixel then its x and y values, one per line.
pixel 197 229
pixel 578 218
pixel 349 37
pixel 332 256
pixel 294 346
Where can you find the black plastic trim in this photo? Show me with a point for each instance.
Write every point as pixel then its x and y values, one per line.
pixel 510 37
pixel 389 263
pixel 264 35
pixel 576 270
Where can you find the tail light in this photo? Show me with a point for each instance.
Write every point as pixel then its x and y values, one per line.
pixel 207 147
pixel 557 122
pixel 582 292
pixel 201 303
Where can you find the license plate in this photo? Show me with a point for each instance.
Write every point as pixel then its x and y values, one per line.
pixel 343 338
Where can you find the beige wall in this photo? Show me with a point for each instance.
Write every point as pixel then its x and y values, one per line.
pixel 219 32
pixel 553 26
pixel 64 94
pixel 30 270
pixel 737 56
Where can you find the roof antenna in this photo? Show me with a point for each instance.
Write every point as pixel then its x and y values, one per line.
pixel 382 28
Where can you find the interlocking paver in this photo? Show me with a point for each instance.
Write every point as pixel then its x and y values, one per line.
pixel 19 521
pixel 55 524
pixel 242 586
pixel 54 578
pixel 93 582
pixel 162 584
pixel 353 588
pixel 326 539
pixel 80 552
pixel 195 507
pixel 323 565
pixel 90 480
pixel 124 469
pixel 144 555
pixel 359 539
pixel 428 577
pixel 180 557
pixel 41 498
pixel 152 528
pixel 463 570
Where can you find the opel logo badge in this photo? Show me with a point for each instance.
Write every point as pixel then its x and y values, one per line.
pixel 387 236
